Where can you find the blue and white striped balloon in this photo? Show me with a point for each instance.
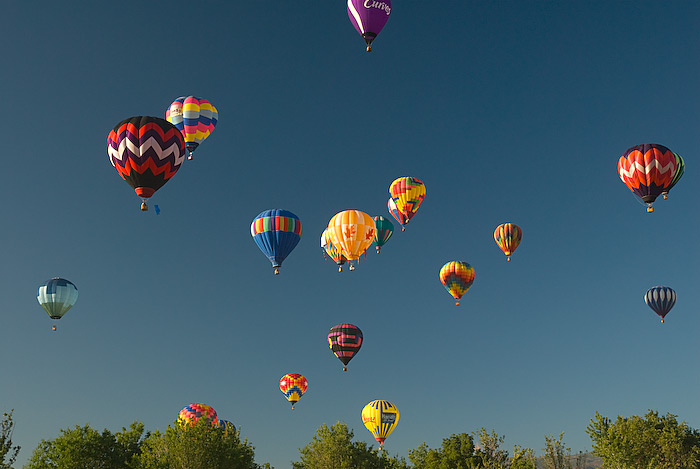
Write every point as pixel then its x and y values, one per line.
pixel 661 300
pixel 57 296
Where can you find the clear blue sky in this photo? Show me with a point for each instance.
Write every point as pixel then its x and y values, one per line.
pixel 508 111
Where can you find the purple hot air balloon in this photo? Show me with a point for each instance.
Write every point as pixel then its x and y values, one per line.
pixel 369 17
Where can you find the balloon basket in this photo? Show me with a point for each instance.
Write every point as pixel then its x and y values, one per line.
pixel 53 328
pixel 456 303
pixel 650 209
pixel 508 259
pixel 665 196
pixel 345 368
pixel 352 267
pixel 277 272
pixel 378 249
pixel 340 269
pixel 144 206
pixel 662 320
pixel 369 48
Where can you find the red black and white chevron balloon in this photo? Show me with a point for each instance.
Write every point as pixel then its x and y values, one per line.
pixel 146 152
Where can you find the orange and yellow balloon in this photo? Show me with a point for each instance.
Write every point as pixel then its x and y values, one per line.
pixel 352 231
pixel 457 277
pixel 508 237
pixel 380 418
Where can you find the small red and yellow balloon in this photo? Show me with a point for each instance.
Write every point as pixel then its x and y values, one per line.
pixel 508 237
pixel 293 386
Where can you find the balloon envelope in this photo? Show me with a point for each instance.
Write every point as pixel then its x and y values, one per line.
pixel 368 17
pixel 191 414
pixel 345 341
pixel 407 193
pixel 352 231
pixel 276 232
pixel 194 117
pixel 57 296
pixel 293 386
pixel 146 152
pixel 457 277
pixel 508 237
pixel 647 170
pixel 384 231
pixel 380 418
pixel 680 169
pixel 661 300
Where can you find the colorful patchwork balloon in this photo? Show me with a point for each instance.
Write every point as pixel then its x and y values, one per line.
pixel 57 296
pixel 648 170
pixel 680 169
pixel 146 152
pixel 353 232
pixel 384 231
pixel 457 277
pixel 332 250
pixel 293 386
pixel 661 300
pixel 407 194
pixel 194 117
pixel 508 237
pixel 191 414
pixel 276 232
pixel 345 341
pixel 380 418
pixel 369 17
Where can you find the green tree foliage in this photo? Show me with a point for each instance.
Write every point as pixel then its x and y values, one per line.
pixel 333 448
pixel 457 452
pixel 200 446
pixel 492 456
pixel 652 441
pixel 523 458
pixel 84 447
pixel 8 453
pixel 556 454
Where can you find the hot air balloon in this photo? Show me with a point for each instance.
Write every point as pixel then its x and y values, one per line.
pixel 191 414
pixel 407 194
pixel 227 426
pixel 384 231
pixel 369 17
pixel 332 250
pixel 146 152
pixel 276 232
pixel 57 296
pixel 345 340
pixel 647 170
pixel 457 277
pixel 194 117
pixel 353 232
pixel 661 300
pixel 380 418
pixel 680 169
pixel 508 237
pixel 293 386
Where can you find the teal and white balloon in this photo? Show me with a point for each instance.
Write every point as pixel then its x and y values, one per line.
pixel 57 296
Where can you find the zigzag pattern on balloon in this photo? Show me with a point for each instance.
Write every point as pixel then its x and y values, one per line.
pixel 646 165
pixel 130 148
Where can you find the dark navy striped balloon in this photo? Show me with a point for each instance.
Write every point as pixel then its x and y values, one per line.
pixel 661 300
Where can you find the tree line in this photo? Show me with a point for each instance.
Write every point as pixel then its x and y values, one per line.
pixel 650 441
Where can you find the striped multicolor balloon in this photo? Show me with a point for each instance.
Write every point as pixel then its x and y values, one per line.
pixel 380 418
pixel 647 170
pixel 293 386
pixel 227 426
pixel 345 341
pixel 194 117
pixel 680 169
pixel 276 232
pixel 191 414
pixel 508 237
pixel 146 152
pixel 353 232
pixel 661 300
pixel 407 193
pixel 384 231
pixel 457 277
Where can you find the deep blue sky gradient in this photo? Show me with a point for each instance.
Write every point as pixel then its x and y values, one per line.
pixel 508 111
